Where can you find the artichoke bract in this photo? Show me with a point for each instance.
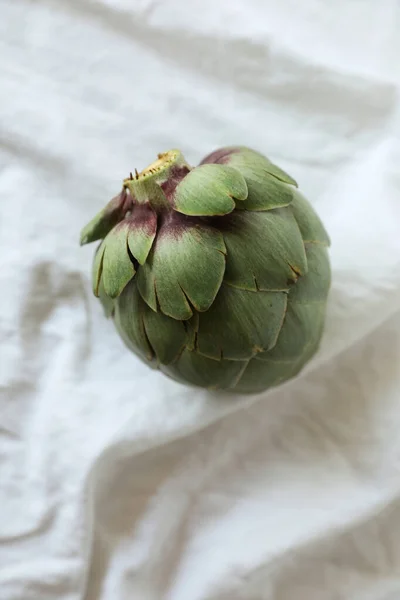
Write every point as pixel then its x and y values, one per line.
pixel 217 274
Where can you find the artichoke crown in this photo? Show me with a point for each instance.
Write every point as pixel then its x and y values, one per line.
pixel 216 274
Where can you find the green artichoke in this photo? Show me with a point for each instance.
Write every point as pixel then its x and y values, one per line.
pixel 219 274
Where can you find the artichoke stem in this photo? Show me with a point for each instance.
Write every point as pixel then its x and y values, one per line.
pixel 145 187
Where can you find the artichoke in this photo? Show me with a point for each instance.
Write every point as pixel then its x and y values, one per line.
pixel 219 274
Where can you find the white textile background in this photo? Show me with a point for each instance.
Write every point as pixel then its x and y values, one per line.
pixel 115 482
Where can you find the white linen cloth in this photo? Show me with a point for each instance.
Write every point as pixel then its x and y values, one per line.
pixel 115 482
